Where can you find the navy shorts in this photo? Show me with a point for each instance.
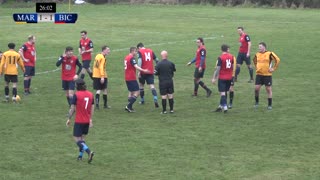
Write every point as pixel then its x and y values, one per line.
pixel 166 87
pixel 264 80
pixel 132 86
pixel 30 71
pixel 243 57
pixel 11 78
pixel 149 78
pixel 80 129
pixel 68 85
pixel 97 84
pixel 198 74
pixel 86 64
pixel 224 85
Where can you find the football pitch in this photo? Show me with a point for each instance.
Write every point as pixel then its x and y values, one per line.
pixel 193 143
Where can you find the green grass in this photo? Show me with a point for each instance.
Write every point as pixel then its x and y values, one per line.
pixel 193 143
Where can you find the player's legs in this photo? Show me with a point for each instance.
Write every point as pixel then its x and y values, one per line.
pixel 14 80
pixel 30 71
pixel 256 93
pixel 6 88
pixel 86 68
pixel 269 92
pixel 250 71
pixel 268 84
pixel 164 103
pixel 171 101
pixel 133 88
pixel 198 75
pixel 155 96
pixel 239 63
pixel 231 96
pixel 141 88
pixel 79 132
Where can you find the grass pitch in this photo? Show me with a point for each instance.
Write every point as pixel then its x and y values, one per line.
pixel 193 143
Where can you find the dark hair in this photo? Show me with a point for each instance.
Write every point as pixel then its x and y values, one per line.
pixel 69 48
pixel 201 40
pixel 85 32
pixel 140 45
pixel 81 85
pixel 104 48
pixel 11 45
pixel 0 52
pixel 240 27
pixel 263 44
pixel 224 48
pixel 132 49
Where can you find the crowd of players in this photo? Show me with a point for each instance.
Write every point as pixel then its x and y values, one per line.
pixel 83 102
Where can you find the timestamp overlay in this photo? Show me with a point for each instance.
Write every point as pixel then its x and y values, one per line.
pixel 45 12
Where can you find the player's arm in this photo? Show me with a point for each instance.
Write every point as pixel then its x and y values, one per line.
pixel 155 58
pixel 80 48
pixel 276 60
pixel 202 57
pixel 249 45
pixel 255 60
pixel 92 111
pixel 134 63
pixel 139 59
pixel 91 47
pixel 234 66
pixel 21 64
pixel 216 71
pixel 21 50
pixel 101 68
pixel 79 66
pixel 59 62
pixel 156 70
pixel 2 63
pixel 72 109
pixel 192 61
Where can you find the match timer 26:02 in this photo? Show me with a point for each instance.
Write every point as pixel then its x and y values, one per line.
pixel 46 7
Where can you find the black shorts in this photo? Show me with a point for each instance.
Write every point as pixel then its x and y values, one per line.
pixel 166 87
pixel 30 71
pixel 80 129
pixel 243 57
pixel 224 85
pixel 198 74
pixel 68 85
pixel 86 64
pixel 264 80
pixel 11 78
pixel 132 85
pixel 149 78
pixel 97 84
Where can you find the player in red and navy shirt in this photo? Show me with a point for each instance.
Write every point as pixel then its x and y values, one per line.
pixel 83 105
pixel 130 66
pixel 85 50
pixel 200 63
pixel 224 69
pixel 29 57
pixel 69 64
pixel 244 53
pixel 146 57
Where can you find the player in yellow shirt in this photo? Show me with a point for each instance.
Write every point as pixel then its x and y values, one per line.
pixel 9 67
pixel 265 62
pixel 100 77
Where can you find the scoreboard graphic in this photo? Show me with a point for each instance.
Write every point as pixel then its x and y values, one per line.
pixel 45 12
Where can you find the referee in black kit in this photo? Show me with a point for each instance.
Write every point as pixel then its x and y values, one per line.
pixel 165 70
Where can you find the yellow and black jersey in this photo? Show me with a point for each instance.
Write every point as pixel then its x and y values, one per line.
pixel 263 61
pixel 9 63
pixel 99 67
